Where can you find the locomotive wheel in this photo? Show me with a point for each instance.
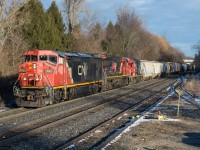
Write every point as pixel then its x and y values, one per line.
pixel 58 95
pixel 95 88
pixel 70 93
pixel 110 85
pixel 134 80
pixel 47 101
pixel 126 82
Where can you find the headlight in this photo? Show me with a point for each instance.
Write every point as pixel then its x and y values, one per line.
pixel 34 66
pixel 48 71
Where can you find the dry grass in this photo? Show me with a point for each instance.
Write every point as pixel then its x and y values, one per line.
pixel 193 86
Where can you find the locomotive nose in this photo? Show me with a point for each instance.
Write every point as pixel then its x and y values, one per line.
pixel 31 67
pixel 29 74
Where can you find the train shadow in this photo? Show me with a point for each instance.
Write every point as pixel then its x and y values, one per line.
pixel 7 99
pixel 192 138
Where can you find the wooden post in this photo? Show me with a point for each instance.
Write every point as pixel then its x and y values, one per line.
pixel 179 98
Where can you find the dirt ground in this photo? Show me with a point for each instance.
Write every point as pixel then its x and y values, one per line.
pixel 165 135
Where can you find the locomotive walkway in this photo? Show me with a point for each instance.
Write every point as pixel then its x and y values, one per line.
pixel 34 124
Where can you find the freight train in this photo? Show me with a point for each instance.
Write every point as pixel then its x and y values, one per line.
pixel 46 77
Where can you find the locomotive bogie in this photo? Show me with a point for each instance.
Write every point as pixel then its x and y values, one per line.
pixel 33 97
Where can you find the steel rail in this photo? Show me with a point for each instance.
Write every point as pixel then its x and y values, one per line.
pixel 11 112
pixel 90 131
pixel 47 108
pixel 109 138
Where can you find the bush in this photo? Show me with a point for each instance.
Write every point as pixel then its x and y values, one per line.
pixel 193 86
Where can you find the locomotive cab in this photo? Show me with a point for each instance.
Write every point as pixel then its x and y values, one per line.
pixel 47 76
pixel 36 69
pixel 36 77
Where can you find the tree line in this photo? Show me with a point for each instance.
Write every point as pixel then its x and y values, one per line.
pixel 197 55
pixel 25 24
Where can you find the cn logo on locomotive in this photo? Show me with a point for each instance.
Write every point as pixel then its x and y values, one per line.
pixel 82 69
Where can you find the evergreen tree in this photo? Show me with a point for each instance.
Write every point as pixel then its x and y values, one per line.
pixel 109 37
pixel 35 31
pixel 56 29
pixel 96 32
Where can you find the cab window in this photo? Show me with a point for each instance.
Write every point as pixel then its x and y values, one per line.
pixel 53 59
pixel 34 57
pixel 27 58
pixel 43 58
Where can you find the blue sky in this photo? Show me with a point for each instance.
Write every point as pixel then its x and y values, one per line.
pixel 177 20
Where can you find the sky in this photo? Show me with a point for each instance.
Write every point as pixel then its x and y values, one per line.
pixel 177 20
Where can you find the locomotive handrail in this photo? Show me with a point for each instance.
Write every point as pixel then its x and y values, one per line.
pixel 49 82
pixel 14 86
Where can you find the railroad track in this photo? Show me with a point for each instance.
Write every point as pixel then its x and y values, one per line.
pixel 11 112
pixel 99 136
pixel 15 134
pixel 21 112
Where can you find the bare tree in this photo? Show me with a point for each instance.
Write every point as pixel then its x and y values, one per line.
pixel 8 17
pixel 72 9
pixel 78 15
pixel 10 23
pixel 129 24
pixel 79 20
pixel 196 47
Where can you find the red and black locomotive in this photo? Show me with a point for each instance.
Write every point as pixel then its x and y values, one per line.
pixel 46 76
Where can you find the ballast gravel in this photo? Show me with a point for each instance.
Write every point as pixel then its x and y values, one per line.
pixel 35 115
pixel 53 137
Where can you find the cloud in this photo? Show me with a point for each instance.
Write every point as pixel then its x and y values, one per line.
pixel 178 20
pixel 140 3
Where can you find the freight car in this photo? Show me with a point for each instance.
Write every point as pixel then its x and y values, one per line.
pixel 46 77
pixel 151 69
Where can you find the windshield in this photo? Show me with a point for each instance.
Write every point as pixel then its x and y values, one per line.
pixel 53 59
pixel 28 58
pixel 43 57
